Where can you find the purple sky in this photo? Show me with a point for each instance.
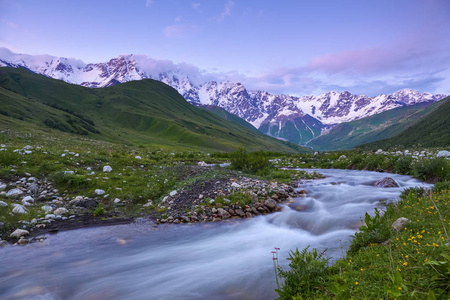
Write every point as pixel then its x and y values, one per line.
pixel 292 47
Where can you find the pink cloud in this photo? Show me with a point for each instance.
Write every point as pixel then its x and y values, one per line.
pixel 180 30
pixel 226 12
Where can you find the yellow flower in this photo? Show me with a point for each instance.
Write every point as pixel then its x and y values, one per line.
pixel 399 288
pixel 405 263
pixel 356 282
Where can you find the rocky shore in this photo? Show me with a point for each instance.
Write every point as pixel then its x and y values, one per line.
pixel 202 201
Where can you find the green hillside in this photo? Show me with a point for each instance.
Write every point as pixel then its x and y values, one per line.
pixel 432 130
pixel 229 116
pixel 145 112
pixel 377 127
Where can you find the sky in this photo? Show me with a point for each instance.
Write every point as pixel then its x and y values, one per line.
pixel 295 47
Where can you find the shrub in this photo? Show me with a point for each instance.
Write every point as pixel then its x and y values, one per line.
pixel 441 186
pixel 99 210
pixel 69 180
pixel 308 274
pixel 375 230
pixel 403 165
pixel 432 168
pixel 255 162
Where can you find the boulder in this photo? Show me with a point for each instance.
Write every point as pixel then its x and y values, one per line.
pixel 443 153
pixel 386 182
pixel 14 193
pixel 47 208
pixel 19 233
pixel 99 192
pixel 3 204
pixel 89 203
pixel 270 204
pixel 61 211
pixel 239 212
pixel 400 224
pixel 3 243
pixel 107 169
pixel 19 209
pixel 223 213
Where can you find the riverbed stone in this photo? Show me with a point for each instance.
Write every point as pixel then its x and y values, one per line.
pixel 61 211
pixel 386 182
pixel 19 233
pixel 270 203
pixel 3 243
pixel 400 224
pixel 223 213
pixel 239 212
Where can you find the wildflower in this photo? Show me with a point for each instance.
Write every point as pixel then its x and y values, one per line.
pixel 356 282
pixel 405 263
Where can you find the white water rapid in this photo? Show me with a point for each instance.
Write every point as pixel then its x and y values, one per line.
pixel 225 260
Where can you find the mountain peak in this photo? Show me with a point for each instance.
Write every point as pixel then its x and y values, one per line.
pixel 268 112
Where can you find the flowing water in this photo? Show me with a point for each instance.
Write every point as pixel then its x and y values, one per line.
pixel 225 260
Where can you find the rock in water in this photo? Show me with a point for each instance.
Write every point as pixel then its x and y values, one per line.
pixel 399 224
pixel 386 182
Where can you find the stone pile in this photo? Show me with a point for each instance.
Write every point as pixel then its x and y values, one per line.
pixel 265 195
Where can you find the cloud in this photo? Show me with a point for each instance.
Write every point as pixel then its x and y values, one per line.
pixel 10 24
pixel 178 19
pixel 196 6
pixel 226 12
pixel 149 3
pixel 180 30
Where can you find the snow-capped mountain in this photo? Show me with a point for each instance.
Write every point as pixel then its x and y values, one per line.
pixel 297 119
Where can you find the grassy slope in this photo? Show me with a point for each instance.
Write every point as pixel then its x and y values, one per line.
pixel 377 127
pixel 432 130
pixel 145 112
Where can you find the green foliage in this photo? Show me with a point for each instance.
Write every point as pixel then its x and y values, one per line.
pixel 403 165
pixel 241 198
pixel 61 179
pixel 99 210
pixel 308 274
pixel 9 158
pixel 441 186
pixel 255 162
pixel 437 167
pixel 441 268
pixel 375 230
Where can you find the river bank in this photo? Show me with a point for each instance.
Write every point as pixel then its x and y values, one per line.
pixel 228 195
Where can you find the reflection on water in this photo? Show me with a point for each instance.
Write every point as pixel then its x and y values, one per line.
pixel 226 260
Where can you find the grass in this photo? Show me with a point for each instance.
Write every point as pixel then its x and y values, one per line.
pixel 414 264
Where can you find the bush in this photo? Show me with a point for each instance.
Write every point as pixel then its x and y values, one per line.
pixel 308 274
pixel 435 168
pixel 99 210
pixel 69 180
pixel 441 186
pixel 255 162
pixel 375 230
pixel 403 165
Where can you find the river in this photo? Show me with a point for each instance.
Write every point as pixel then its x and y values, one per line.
pixel 224 260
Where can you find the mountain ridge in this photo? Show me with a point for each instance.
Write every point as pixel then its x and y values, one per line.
pixel 293 118
pixel 137 112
